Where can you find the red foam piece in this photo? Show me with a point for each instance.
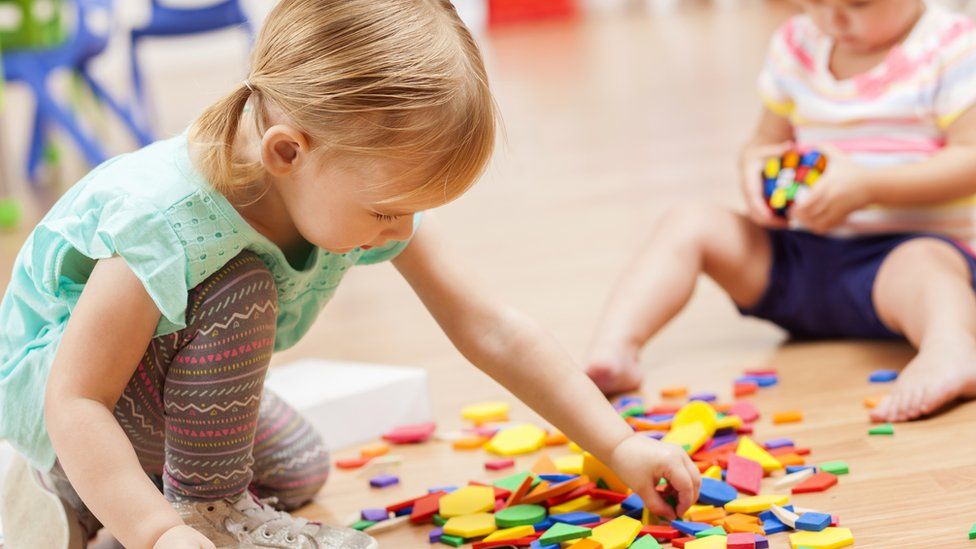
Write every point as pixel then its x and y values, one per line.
pixel 513 11
pixel 744 475
pixel 426 507
pixel 817 483
pixel 660 533
pixel 745 388
pixel 499 464
pixel 680 542
pixel 573 494
pixel 517 542
pixel 607 495
pixel 411 434
pixel 745 410
pixel 761 372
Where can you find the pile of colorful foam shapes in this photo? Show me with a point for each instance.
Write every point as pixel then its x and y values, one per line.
pixel 786 178
pixel 575 501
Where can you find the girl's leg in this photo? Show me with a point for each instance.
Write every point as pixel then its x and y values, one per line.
pixel 688 241
pixel 924 291
pixel 291 463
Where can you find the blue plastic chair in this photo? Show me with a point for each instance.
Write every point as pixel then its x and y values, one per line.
pixel 166 21
pixel 34 67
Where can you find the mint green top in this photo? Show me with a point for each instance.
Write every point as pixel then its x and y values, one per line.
pixel 155 210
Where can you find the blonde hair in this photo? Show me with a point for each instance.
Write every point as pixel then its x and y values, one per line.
pixel 394 79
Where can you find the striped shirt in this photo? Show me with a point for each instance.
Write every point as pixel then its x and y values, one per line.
pixel 895 113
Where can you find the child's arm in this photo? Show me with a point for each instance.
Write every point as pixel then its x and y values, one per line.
pixel 527 360
pixel 845 187
pixel 772 137
pixel 107 334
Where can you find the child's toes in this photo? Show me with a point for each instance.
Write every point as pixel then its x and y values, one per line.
pixel 881 412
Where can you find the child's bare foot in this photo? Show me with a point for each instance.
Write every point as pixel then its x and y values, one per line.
pixel 938 375
pixel 615 368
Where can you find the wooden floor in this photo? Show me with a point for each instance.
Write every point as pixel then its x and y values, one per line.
pixel 609 121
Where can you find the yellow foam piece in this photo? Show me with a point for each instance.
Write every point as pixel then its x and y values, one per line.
pixel 610 511
pixel 596 470
pixel 691 436
pixel 511 533
pixel 484 412
pixel 573 447
pixel 727 422
pixel 710 542
pixel 522 439
pixel 750 450
pixel 828 538
pixel 582 503
pixel 570 465
pixel 697 411
pixel 714 472
pixel 467 500
pixel 618 533
pixel 471 526
pixel 756 504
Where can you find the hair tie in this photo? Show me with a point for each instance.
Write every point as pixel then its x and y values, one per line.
pixel 248 86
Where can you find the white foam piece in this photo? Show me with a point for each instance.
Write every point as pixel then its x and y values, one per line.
pixel 351 403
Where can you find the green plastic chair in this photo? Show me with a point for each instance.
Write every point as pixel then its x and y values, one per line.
pixel 28 24
pixel 10 210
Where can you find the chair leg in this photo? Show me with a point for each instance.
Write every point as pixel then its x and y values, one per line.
pixel 125 114
pixel 90 149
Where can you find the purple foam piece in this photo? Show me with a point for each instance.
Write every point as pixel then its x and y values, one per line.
pixel 656 435
pixel 436 533
pixel 375 515
pixel 720 441
pixel 383 481
pixel 778 443
pixel 704 397
pixel 761 542
pixel 627 402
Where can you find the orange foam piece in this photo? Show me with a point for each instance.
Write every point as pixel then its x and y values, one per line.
pixel 644 425
pixel 553 490
pixel 791 459
pixel 555 438
pixel 817 483
pixel 545 466
pixel 711 516
pixel 745 388
pixel 352 463
pixel 520 492
pixel 872 401
pixel 790 416
pixel 676 391
pixel 469 443
pixel 374 450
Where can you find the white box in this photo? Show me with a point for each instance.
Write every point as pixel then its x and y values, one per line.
pixel 351 403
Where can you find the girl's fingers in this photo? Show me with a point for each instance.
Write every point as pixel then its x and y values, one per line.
pixel 656 504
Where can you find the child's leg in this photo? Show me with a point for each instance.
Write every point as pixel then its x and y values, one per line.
pixel 688 241
pixel 290 460
pixel 924 291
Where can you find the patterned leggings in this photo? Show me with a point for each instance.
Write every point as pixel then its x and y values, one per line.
pixel 194 409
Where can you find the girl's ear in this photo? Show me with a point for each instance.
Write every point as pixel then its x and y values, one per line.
pixel 282 149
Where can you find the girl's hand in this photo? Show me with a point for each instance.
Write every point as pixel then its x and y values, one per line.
pixel 840 191
pixel 183 537
pixel 642 462
pixel 750 179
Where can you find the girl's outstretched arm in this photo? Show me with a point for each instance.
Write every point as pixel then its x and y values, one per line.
pixel 106 336
pixel 529 362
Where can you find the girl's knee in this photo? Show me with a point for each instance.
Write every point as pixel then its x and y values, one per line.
pixel 921 256
pixel 243 285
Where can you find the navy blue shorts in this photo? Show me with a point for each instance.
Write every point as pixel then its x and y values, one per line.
pixel 821 287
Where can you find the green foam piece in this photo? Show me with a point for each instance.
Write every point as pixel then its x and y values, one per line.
pixel 835 467
pixel 636 410
pixel 714 531
pixel 645 542
pixel 439 520
pixel 561 532
pixel 602 484
pixel 453 541
pixel 886 429
pixel 10 213
pixel 362 524
pixel 972 531
pixel 520 515
pixel 512 482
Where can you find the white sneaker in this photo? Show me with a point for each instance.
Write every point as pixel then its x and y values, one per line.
pixel 245 523
pixel 33 515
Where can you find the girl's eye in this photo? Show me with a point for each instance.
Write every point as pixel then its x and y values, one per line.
pixel 386 218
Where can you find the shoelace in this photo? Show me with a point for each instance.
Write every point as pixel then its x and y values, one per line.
pixel 260 513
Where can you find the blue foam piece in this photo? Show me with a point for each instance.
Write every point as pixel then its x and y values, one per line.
pixel 762 381
pixel 536 545
pixel 576 517
pixel 883 376
pixel 773 526
pixel 435 534
pixel 778 443
pixel 544 524
pixel 659 418
pixel 404 511
pixel 627 402
pixel 447 489
pixel 761 542
pixel 557 478
pixel 715 492
pixel 688 527
pixel 796 468
pixel 813 522
pixel 704 397
pixel 632 503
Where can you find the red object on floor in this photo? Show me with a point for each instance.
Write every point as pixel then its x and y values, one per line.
pixel 502 12
pixel 817 483
pixel 410 434
pixel 499 464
